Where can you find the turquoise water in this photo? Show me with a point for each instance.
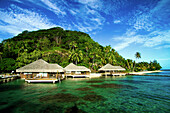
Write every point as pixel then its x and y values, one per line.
pixel 129 94
pixel 164 73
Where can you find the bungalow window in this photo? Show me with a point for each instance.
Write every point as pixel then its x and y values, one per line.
pixel 78 72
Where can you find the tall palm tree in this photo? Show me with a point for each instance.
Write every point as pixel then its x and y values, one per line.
pixel 94 54
pixel 76 56
pixel 137 55
pixel 73 45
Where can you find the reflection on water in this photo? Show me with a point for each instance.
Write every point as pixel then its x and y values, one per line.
pixel 111 94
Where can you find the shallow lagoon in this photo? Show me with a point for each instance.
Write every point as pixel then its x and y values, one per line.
pixel 111 94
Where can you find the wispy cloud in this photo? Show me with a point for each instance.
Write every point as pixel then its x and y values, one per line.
pixel 117 21
pixel 18 19
pixel 54 7
pixel 155 39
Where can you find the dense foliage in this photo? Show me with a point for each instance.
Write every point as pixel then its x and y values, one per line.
pixel 57 45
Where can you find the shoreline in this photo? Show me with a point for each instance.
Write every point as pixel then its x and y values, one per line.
pixel 144 72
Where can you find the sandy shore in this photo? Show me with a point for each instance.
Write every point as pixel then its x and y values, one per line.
pixel 144 72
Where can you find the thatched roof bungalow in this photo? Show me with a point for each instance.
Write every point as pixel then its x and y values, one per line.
pixel 39 68
pixel 112 69
pixel 72 69
pixel 109 67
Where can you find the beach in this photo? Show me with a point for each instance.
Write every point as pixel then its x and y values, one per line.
pixel 144 72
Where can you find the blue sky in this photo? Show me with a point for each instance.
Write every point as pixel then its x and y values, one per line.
pixel 129 26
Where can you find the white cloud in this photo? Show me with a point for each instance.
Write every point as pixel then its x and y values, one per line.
pixel 125 41
pixel 161 47
pixel 53 7
pixel 150 18
pixel 73 12
pixel 18 19
pixel 155 39
pixel 117 21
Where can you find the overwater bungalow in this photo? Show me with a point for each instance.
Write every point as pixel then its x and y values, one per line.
pixel 109 69
pixel 41 71
pixel 76 71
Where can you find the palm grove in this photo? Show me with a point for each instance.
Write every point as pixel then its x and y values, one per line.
pixel 60 46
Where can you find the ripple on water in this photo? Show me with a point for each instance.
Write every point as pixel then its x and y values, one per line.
pixel 134 81
pixel 94 81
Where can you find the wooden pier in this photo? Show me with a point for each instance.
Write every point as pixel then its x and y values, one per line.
pixel 5 78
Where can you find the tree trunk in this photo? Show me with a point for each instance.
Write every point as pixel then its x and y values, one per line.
pixel 76 62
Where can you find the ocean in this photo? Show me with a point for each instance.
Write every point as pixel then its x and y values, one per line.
pixel 130 94
pixel 164 73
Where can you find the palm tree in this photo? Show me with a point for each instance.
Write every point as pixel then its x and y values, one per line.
pixel 137 55
pixel 1 55
pixel 76 56
pixel 94 54
pixel 73 45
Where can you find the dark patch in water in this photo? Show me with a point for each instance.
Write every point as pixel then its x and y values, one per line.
pixel 117 86
pixel 84 89
pixel 94 81
pixel 55 88
pixel 51 109
pixel 64 90
pixel 115 110
pixel 134 81
pixel 93 97
pixel 139 104
pixel 91 92
pixel 166 86
pixel 60 97
pixel 10 87
pixel 2 103
pixel 74 109
pixel 82 103
pixel 107 86
pixel 12 108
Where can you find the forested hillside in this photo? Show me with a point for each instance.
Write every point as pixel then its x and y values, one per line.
pixel 60 46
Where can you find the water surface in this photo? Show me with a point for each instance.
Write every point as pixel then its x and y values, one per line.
pixel 120 94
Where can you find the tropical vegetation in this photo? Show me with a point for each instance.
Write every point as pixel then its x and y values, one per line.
pixel 60 46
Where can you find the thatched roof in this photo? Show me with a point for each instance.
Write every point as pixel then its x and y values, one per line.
pixel 109 67
pixel 73 67
pixel 41 66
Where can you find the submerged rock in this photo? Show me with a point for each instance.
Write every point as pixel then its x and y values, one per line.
pixel 84 89
pixel 108 86
pixel 74 109
pixel 60 97
pixel 93 97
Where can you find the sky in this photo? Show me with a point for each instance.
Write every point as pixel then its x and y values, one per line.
pixel 128 26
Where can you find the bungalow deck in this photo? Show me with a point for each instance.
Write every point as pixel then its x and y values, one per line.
pixel 78 76
pixel 53 80
pixel 114 74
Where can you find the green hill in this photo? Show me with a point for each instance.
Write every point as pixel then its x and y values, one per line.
pixel 60 46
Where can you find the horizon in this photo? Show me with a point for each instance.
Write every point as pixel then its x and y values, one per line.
pixel 128 26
